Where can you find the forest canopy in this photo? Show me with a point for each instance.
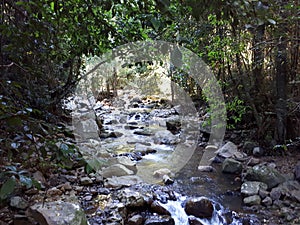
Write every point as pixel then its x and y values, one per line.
pixel 251 46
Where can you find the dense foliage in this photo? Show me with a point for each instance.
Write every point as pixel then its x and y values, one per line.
pixel 252 46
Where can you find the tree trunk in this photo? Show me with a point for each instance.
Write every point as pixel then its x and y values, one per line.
pixel 258 56
pixel 281 105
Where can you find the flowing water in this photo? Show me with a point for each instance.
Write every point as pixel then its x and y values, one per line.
pixel 138 126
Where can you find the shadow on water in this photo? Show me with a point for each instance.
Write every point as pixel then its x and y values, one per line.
pixel 221 187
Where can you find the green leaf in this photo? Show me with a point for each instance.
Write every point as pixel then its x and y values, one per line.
pixel 95 164
pixel 52 6
pixel 156 23
pixel 36 184
pixel 7 188
pixel 25 181
pixel 89 169
pixel 14 121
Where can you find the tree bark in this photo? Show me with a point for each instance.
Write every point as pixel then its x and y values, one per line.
pixel 258 56
pixel 281 105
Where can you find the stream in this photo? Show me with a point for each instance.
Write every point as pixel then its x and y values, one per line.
pixel 157 138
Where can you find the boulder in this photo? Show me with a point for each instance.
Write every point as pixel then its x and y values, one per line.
pixel 38 176
pixel 258 151
pixel 124 181
pixel 18 202
pixel 173 126
pixel 58 213
pixel 165 137
pixel 252 200
pixel 199 207
pixel 290 189
pixel 131 198
pixel 232 166
pixel 263 193
pixel 275 193
pixel 267 201
pixel 206 169
pixel 135 220
pixel 253 161
pixel 249 146
pixel 86 181
pixel 297 171
pixel 157 207
pixel 143 132
pixel 228 150
pixel 160 173
pixel 160 220
pixel 125 161
pixel 194 221
pixel 116 170
pixel 252 187
pixel 167 180
pixel 265 174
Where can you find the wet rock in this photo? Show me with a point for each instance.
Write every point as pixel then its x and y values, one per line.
pixel 157 207
pixel 263 193
pixel 38 176
pixel 87 129
pixel 160 220
pixel 167 180
pixel 228 150
pixel 135 220
pixel 54 192
pixel 78 188
pixel 194 221
pixel 103 191
pixel 143 132
pixel 252 187
pixel 116 170
pixel 252 200
pixel 178 109
pixel 131 127
pixel 267 201
pixel 232 166
pixel 58 213
pixel 258 151
pixel 87 198
pixel 19 219
pixel 165 137
pixel 267 175
pixel 125 161
pixel 136 99
pixel 18 202
pixel 114 134
pixel 124 181
pixel 173 126
pixel 249 146
pixel 253 161
pixel 290 189
pixel 297 172
pixel 199 207
pixel 275 193
pixel 132 199
pixel 65 187
pixel 86 181
pixel 162 172
pixel 206 169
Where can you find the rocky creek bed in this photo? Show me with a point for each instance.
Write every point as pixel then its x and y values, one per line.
pixel 128 141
